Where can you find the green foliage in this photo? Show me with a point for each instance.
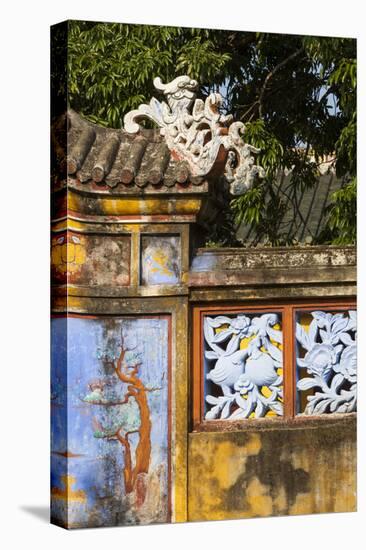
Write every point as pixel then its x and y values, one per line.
pixel 111 66
pixel 295 94
pixel 223 228
pixel 341 228
pixel 119 417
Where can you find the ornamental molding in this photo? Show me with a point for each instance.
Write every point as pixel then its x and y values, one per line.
pixel 197 132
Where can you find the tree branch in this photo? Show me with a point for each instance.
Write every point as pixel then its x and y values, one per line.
pixel 271 74
pixel 153 389
pixel 109 403
pixel 259 102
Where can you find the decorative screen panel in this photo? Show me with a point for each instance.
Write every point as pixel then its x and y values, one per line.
pixel 243 366
pixel 326 362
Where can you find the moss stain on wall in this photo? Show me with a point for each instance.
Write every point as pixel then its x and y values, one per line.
pixel 271 472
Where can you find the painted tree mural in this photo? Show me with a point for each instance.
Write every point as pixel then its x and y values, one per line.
pixel 124 397
pixel 110 424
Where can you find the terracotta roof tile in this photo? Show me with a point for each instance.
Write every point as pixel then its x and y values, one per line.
pixel 114 159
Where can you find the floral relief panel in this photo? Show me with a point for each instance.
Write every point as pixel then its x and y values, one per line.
pixel 243 366
pixel 326 362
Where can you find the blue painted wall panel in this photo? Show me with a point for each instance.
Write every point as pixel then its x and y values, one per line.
pixel 93 483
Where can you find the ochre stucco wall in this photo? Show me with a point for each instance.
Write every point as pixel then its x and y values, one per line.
pixel 300 468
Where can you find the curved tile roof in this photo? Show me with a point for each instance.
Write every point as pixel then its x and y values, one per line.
pixel 104 158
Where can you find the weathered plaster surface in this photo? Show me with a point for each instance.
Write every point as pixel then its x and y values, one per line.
pixel 282 266
pixel 92 260
pixel 300 469
pixel 238 258
pixel 160 260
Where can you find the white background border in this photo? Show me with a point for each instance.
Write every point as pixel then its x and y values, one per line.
pixel 25 272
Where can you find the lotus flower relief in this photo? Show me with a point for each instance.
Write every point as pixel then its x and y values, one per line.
pixel 348 364
pixel 320 360
pixel 243 385
pixel 240 325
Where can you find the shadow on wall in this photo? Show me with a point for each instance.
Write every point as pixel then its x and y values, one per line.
pixel 40 512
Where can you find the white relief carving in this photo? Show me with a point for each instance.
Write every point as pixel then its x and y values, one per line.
pixel 244 374
pixel 331 359
pixel 197 131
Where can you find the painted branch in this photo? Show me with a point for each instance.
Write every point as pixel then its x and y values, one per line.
pixel 127 470
pixel 143 450
pixel 137 390
pixel 109 403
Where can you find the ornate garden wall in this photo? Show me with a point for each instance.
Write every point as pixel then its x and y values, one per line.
pixel 189 383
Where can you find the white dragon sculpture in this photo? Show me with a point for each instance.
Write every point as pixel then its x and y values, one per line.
pixel 197 132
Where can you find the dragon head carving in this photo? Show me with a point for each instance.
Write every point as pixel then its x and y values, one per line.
pixel 197 130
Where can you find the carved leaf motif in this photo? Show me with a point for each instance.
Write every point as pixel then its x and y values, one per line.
pixel 352 324
pixel 339 325
pixel 302 337
pixel 346 339
pixel 274 351
pixel 242 403
pixel 325 336
pixel 212 400
pixel 211 355
pixel 322 406
pixel 218 321
pixel 232 345
pixel 336 382
pixel 222 336
pixel 211 414
pixel 307 383
pixel 320 317
pixel 277 382
pixel 277 408
pixel 209 334
pixel 331 362
pixel 313 330
pixel 208 331
pixel 259 410
pixel 226 410
pixel 275 335
pixel 338 350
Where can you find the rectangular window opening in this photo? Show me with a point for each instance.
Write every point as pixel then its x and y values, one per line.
pixel 285 362
pixel 326 361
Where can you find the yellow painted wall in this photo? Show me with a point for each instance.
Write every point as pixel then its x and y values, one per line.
pixel 273 471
